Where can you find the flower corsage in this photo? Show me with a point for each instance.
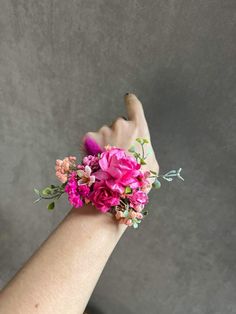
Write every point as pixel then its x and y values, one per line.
pixel 112 180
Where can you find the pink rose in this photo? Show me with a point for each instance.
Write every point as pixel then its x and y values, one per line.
pixel 103 197
pixel 138 198
pixel 118 170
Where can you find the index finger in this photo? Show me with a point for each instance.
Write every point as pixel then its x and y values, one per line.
pixel 134 108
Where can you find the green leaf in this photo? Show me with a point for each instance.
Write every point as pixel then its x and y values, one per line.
pixel 132 149
pixel 36 201
pixel 145 213
pixel 153 172
pixel 63 185
pixel 128 190
pixel 156 184
pixel 126 213
pixel 36 191
pixel 139 140
pixel 47 191
pixel 135 225
pixel 52 186
pixel 145 141
pixel 142 162
pixel 51 206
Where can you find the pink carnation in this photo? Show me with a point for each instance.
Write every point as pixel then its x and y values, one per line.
pixel 103 197
pixel 92 162
pixel 138 199
pixel 118 170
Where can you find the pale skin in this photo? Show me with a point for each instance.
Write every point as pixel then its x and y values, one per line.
pixel 61 275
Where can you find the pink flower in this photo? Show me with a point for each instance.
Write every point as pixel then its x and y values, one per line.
pixel 139 215
pixel 128 222
pixel 118 170
pixel 119 214
pixel 85 176
pixel 74 191
pixel 63 167
pixel 75 200
pixel 91 161
pixel 83 190
pixel 103 197
pixel 138 198
pixel 144 183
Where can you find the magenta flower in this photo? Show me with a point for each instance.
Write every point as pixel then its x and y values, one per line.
pixel 118 170
pixel 73 191
pixel 103 197
pixel 92 162
pixel 83 190
pixel 138 199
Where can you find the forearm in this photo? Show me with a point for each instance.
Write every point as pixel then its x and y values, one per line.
pixel 61 275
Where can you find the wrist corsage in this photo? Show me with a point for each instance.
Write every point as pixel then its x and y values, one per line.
pixel 111 180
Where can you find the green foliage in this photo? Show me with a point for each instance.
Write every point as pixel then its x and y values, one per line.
pixel 51 192
pixel 126 213
pixel 156 184
pixel 128 190
pixel 51 206
pixel 132 149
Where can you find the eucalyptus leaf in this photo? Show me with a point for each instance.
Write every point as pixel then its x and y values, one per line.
pixel 156 184
pixel 126 213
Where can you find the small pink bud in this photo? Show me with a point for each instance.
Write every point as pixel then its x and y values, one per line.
pixel 119 215
pixel 139 215
pixel 132 214
pixel 128 222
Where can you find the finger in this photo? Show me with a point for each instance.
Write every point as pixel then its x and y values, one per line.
pixel 134 108
pixel 120 121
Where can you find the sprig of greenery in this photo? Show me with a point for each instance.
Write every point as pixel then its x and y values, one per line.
pixel 139 157
pixel 169 176
pixel 51 192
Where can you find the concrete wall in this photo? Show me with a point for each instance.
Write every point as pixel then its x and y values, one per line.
pixel 64 67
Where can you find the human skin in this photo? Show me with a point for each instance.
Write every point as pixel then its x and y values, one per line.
pixel 61 275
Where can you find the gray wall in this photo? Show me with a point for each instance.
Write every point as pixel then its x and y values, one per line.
pixel 64 67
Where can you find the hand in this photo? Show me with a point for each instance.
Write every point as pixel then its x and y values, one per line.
pixel 123 133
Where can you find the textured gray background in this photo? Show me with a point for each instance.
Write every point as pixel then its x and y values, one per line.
pixel 64 67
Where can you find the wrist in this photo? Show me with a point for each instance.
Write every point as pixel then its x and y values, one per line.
pixel 89 218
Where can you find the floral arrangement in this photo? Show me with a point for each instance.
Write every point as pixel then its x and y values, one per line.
pixel 112 181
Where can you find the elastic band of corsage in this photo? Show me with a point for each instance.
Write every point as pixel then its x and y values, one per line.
pixel 111 180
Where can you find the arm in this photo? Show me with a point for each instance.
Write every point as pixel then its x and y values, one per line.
pixel 61 275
